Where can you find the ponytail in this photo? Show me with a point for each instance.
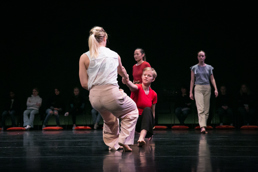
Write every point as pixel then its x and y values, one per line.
pixel 97 35
pixel 93 46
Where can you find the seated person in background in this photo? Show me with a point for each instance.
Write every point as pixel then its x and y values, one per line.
pixel 95 118
pixel 224 105
pixel 55 107
pixel 33 105
pixel 246 105
pixel 145 99
pixel 11 107
pixel 182 105
pixel 76 105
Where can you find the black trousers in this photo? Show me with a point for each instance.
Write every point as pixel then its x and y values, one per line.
pixel 146 121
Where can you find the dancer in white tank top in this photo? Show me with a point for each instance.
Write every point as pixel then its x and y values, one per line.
pixel 98 69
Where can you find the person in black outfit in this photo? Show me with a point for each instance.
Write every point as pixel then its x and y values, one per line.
pixel 224 105
pixel 246 105
pixel 183 105
pixel 55 107
pixel 76 105
pixel 11 108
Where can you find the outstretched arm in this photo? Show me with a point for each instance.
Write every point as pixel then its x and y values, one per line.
pixel 129 84
pixel 121 70
pixel 214 85
pixel 83 66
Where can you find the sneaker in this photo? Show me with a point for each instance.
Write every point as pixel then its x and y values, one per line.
pixel 43 126
pixel 95 126
pixel 74 127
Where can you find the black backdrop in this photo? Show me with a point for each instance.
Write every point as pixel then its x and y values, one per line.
pixel 42 42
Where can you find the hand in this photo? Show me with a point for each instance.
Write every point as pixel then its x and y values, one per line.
pixel 216 93
pixel 66 114
pixel 38 104
pixel 191 96
pixel 125 80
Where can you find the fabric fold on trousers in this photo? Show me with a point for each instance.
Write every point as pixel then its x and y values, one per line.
pixel 112 103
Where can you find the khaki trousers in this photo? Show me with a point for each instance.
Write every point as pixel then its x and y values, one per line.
pixel 202 94
pixel 112 104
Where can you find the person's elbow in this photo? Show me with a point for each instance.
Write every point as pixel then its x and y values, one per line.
pixel 84 85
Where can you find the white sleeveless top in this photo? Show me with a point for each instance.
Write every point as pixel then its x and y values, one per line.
pixel 103 69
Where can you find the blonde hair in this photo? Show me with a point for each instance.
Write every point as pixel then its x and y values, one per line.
pixel 154 73
pixel 97 35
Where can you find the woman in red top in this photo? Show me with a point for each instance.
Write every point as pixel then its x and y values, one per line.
pixel 140 58
pixel 145 99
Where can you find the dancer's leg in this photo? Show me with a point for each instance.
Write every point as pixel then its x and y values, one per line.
pixel 109 101
pixel 110 129
pixel 207 97
pixel 199 99
pixel 147 124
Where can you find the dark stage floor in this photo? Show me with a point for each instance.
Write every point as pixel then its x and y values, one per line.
pixel 170 150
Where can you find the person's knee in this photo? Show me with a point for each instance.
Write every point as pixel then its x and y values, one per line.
pixel 185 112
pixel 34 112
pixel 133 115
pixel 25 113
pixel 178 111
pixel 49 112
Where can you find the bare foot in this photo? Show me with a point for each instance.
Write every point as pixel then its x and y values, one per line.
pixel 141 143
pixel 126 147
pixel 203 130
pixel 150 138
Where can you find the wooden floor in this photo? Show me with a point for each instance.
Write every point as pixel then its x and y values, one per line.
pixel 170 150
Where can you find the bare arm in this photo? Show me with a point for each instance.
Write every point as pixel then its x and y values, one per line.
pixel 213 82
pixel 129 84
pixel 83 66
pixel 191 85
pixel 121 70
